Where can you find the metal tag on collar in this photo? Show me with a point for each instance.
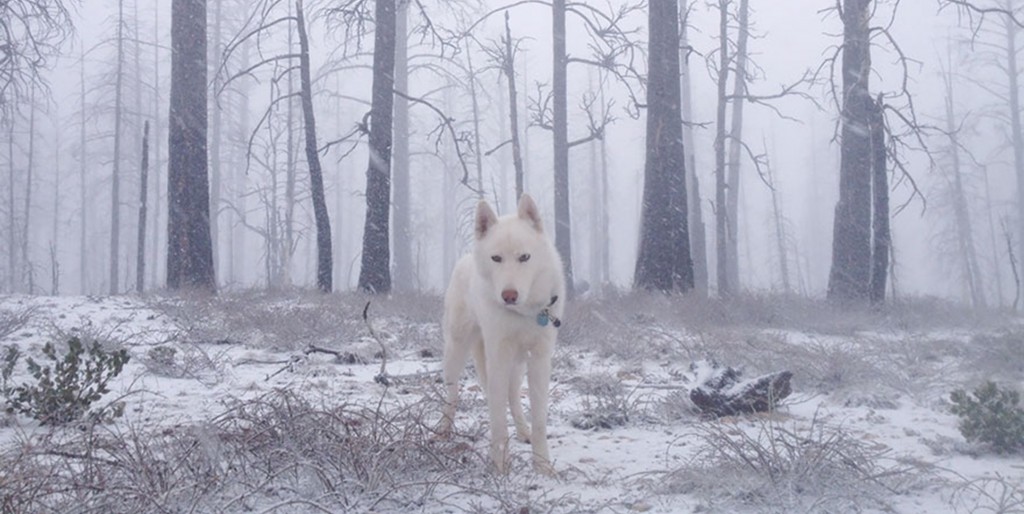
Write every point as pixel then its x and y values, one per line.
pixel 545 317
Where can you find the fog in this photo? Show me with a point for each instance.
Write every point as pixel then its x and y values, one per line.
pixel 797 134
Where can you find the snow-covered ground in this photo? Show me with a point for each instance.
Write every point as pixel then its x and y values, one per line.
pixel 270 404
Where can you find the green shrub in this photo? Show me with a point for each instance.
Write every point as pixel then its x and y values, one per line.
pixel 991 416
pixel 66 388
pixel 9 359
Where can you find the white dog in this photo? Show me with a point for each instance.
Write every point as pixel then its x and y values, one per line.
pixel 504 303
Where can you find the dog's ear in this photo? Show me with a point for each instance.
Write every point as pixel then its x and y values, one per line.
pixel 485 219
pixel 528 211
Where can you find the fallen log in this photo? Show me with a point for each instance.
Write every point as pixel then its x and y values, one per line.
pixel 720 391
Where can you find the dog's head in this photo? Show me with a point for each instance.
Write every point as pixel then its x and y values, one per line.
pixel 514 256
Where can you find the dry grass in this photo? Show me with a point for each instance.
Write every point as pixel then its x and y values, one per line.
pixel 13 319
pixel 773 466
pixel 989 495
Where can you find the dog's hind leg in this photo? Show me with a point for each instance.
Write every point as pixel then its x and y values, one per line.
pixel 515 402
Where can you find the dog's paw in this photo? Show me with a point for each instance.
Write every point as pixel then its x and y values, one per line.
pixel 543 466
pixel 523 434
pixel 443 432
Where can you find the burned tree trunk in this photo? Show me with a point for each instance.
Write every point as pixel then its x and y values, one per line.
pixel 720 391
pixel 324 262
pixel 880 237
pixel 375 274
pixel 850 276
pixel 140 261
pixel 189 248
pixel 739 91
pixel 664 260
pixel 698 240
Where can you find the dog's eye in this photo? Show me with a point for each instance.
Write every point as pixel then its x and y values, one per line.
pixel 496 258
pixel 524 257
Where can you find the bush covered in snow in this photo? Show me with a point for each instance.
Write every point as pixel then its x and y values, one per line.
pixel 991 415
pixel 65 389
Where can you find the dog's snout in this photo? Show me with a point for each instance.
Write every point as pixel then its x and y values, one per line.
pixel 510 296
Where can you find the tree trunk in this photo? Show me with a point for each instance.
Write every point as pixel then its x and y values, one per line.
pixel 115 179
pixel 26 261
pixel 851 240
pixel 157 151
pixel 725 286
pixel 12 239
pixel 513 108
pixel 880 236
pixel 475 102
pixel 698 239
pixel 970 274
pixel 216 138
pixel 780 228
pixel 324 260
pixel 404 272
pixel 289 182
pixel 739 90
pixel 375 273
pixel 997 272
pixel 664 259
pixel 140 263
pixel 55 238
pixel 189 248
pixel 1017 132
pixel 83 256
pixel 560 123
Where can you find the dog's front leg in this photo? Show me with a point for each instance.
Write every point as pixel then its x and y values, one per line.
pixel 539 378
pixel 499 372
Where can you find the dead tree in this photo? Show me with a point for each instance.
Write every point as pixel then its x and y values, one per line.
pixel 663 262
pixel 698 238
pixel 324 262
pixel 189 248
pixel 739 90
pixel 375 273
pixel 83 260
pixel 778 219
pixel 402 236
pixel 851 243
pixel 955 193
pixel 115 178
pixel 26 260
pixel 34 32
pixel 140 262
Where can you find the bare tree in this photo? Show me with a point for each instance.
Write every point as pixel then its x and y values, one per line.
pixel 698 238
pixel 189 252
pixel 664 260
pixel 739 91
pixel 140 262
pixel 115 178
pixel 560 128
pixel 324 268
pixel 404 269
pixel 375 273
pixel 851 244
pixel 31 33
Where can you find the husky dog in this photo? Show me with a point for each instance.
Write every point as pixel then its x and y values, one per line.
pixel 504 304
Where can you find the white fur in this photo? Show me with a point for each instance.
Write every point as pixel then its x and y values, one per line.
pixel 505 338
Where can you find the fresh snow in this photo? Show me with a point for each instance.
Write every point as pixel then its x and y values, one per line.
pixel 886 389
